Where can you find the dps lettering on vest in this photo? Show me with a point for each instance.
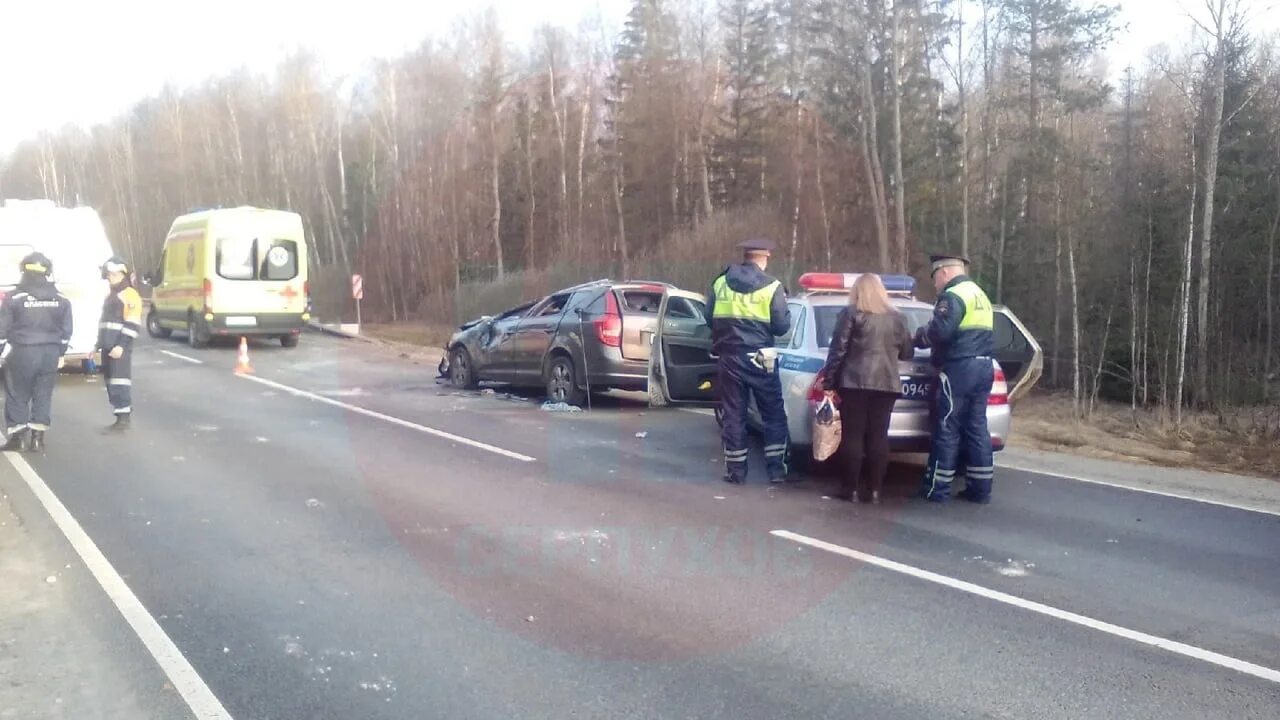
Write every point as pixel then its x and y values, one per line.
pixel 978 314
pixel 743 306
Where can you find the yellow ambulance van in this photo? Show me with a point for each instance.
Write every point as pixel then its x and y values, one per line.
pixel 232 272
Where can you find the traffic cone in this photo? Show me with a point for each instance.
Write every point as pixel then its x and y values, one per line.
pixel 242 360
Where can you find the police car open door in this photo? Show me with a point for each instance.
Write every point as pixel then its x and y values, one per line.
pixel 681 368
pixel 1017 352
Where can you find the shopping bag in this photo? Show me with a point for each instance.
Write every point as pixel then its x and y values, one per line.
pixel 826 430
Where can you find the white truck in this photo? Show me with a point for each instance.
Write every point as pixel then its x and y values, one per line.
pixel 75 241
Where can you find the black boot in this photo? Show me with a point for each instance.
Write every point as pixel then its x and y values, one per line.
pixel 17 442
pixel 121 424
pixel 37 441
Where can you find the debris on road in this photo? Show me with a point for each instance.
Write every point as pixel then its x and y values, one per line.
pixel 642 435
pixel 488 391
pixel 314 503
pixel 719 497
pixel 555 407
pixel 51 579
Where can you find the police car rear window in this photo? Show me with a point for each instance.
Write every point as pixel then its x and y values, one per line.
pixel 825 317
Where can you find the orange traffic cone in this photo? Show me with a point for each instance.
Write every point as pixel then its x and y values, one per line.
pixel 242 360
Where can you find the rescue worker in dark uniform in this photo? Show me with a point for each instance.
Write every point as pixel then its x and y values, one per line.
pixel 748 309
pixel 960 338
pixel 35 326
pixel 121 322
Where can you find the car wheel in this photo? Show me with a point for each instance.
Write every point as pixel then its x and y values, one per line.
pixel 462 372
pixel 196 337
pixel 290 340
pixel 562 382
pixel 153 327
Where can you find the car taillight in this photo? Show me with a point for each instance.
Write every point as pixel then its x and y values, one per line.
pixel 609 326
pixel 999 389
pixel 208 295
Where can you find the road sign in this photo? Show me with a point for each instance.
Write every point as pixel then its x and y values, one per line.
pixel 357 287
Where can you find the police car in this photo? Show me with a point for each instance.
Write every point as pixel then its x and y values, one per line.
pixel 682 370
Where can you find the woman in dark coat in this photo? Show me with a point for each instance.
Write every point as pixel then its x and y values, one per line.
pixel 871 336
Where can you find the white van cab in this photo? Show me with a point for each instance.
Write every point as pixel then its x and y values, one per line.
pixel 75 241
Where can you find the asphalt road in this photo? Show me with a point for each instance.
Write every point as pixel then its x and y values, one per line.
pixel 441 554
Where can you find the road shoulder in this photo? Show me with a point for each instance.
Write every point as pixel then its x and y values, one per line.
pixel 1239 490
pixel 65 652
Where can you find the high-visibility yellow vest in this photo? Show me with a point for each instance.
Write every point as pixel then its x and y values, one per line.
pixel 731 304
pixel 978 314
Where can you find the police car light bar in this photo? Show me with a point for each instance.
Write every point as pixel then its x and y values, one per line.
pixel 844 281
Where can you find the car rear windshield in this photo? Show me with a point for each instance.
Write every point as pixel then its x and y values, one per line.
pixel 825 317
pixel 251 258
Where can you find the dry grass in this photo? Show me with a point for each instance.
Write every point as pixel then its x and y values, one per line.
pixel 434 336
pixel 1242 442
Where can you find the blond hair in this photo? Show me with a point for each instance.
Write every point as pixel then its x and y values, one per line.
pixel 869 296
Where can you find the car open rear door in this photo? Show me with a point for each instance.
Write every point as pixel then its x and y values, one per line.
pixel 1017 352
pixel 681 368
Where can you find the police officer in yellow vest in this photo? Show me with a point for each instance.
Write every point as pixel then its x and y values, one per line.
pixel 960 338
pixel 748 309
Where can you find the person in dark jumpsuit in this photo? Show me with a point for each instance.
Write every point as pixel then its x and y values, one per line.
pixel 35 330
pixel 121 322
pixel 960 338
pixel 748 310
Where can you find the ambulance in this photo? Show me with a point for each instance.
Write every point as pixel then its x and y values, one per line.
pixel 232 272
pixel 75 241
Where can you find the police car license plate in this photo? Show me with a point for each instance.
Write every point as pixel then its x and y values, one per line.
pixel 242 321
pixel 917 388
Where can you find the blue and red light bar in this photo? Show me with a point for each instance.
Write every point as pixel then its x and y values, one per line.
pixel 844 281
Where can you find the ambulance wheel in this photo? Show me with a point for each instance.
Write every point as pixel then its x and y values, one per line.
pixel 462 373
pixel 562 382
pixel 154 329
pixel 290 340
pixel 196 336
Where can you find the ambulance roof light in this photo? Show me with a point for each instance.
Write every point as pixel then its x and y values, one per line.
pixel 844 281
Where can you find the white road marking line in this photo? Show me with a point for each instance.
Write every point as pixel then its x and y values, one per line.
pixel 699 411
pixel 181 674
pixel 191 360
pixel 1172 646
pixel 1134 488
pixel 391 419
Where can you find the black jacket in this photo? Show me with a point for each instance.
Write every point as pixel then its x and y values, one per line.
pixel 738 335
pixel 35 313
pixel 865 350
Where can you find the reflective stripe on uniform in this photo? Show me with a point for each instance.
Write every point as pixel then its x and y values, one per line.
pixel 123 410
pixel 110 326
pixel 120 381
pixel 130 332
pixel 978 314
pixel 733 305
pixel 14 429
pixel 38 427
pixel 775 450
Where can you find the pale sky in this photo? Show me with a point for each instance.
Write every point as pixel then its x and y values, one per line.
pixel 85 61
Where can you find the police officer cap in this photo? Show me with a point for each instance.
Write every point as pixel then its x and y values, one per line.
pixel 37 264
pixel 758 245
pixel 937 262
